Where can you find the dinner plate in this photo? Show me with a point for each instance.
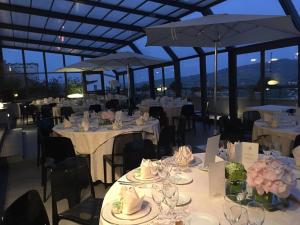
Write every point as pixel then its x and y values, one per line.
pixel 181 179
pixel 108 216
pixel 198 218
pixel 145 210
pixel 131 176
pixel 183 199
pixel 195 162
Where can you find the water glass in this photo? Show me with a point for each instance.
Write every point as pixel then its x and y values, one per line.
pixel 256 213
pixel 171 197
pixel 232 211
pixel 158 194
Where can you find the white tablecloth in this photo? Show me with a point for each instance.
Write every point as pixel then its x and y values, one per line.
pixel 269 108
pixel 201 202
pixel 283 137
pixel 100 142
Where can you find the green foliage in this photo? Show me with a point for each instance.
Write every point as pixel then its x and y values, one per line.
pixel 74 87
pixel 235 171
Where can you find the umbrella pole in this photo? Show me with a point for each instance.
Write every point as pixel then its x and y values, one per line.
pixel 215 87
pixel 129 92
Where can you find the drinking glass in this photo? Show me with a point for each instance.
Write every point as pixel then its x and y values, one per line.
pixel 256 213
pixel 163 169
pixel 232 211
pixel 171 197
pixel 158 194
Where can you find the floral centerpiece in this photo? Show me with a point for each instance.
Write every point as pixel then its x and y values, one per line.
pixel 272 179
pixel 107 117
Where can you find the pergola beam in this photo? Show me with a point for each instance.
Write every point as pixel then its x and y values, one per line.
pixel 70 17
pixel 289 9
pixel 180 5
pixel 62 33
pixel 55 44
pixel 124 9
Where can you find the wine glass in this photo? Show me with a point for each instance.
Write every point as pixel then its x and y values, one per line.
pixel 232 211
pixel 163 169
pixel 158 194
pixel 256 213
pixel 171 197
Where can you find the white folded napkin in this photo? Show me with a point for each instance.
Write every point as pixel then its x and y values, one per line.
pixel 119 116
pixel 146 167
pixel 85 125
pixel 131 201
pixel 140 121
pixel 137 114
pixel 67 123
pixel 183 155
pixel 296 153
pixel 146 116
pixel 86 115
pixel 117 125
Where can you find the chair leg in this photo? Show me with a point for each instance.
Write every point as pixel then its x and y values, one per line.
pixel 44 183
pixel 104 170
pixel 38 153
pixel 113 179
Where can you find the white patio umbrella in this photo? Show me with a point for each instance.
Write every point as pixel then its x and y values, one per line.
pixel 79 67
pixel 125 60
pixel 222 31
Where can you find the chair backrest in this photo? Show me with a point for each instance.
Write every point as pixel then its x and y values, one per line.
pixel 249 117
pixel 57 148
pixel 46 111
pixel 187 110
pixel 66 111
pixel 181 131
pixel 26 210
pixel 112 104
pixel 68 179
pixel 135 151
pixel 297 141
pixel 121 140
pixel 96 108
pixel 223 123
pixel 156 111
pixel 166 139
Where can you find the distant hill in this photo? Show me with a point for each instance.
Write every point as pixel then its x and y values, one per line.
pixel 284 70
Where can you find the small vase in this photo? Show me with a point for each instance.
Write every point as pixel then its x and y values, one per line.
pixel 270 201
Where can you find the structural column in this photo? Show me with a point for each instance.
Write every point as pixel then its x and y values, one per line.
pixel 118 79
pixel 203 85
pixel 84 82
pixel 262 76
pixel 232 79
pixel 151 82
pixel 177 79
pixel 102 83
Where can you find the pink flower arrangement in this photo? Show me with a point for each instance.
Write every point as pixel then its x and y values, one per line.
pixel 108 115
pixel 271 175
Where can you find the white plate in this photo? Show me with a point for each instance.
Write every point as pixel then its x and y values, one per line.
pixel 195 162
pixel 183 199
pixel 132 177
pixel 145 210
pixel 181 178
pixel 107 215
pixel 200 219
pixel 202 167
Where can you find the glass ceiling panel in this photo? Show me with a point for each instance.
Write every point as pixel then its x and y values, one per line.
pixel 115 15
pixel 85 28
pixel 206 2
pixel 80 9
pixel 86 42
pixel 184 51
pixel 145 21
pixel 70 26
pixel 20 34
pixel 297 5
pixel 178 13
pixel 266 7
pixel 98 13
pixel 38 21
pixel 131 4
pixel 125 49
pixel 74 41
pixel 99 30
pixel 114 2
pixel 167 9
pixel 61 6
pixel 112 33
pixel 154 51
pixel 45 4
pixel 44 47
pixel 32 46
pixel 5 16
pixel 109 45
pixel 47 37
pixel 20 18
pixel 149 6
pixel 125 35
pixel 60 39
pixel 54 24
pixel 20 45
pixel 191 16
pixel 6 32
pixel 97 44
pixel 21 2
pixel 131 18
pixel 35 36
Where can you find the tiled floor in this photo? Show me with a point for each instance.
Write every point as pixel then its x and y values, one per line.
pixel 20 175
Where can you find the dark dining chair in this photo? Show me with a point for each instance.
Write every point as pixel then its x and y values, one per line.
pixel 96 108
pixel 69 179
pixel 26 210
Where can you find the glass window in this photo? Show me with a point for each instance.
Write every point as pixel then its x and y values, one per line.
pixel 222 82
pixel 34 62
pixel 154 51
pixel 266 7
pixel 190 76
pixel 277 62
pixel 184 51
pixel 141 82
pixel 54 61
pixel 36 84
pixel 93 82
pixel 13 60
pixel 71 59
pixel 169 80
pixel 297 5
pixel 108 76
pixel 56 84
pixel 74 83
pixel 248 81
pixel 123 80
pixel 159 81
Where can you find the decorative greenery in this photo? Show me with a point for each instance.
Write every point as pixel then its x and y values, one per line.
pixel 74 87
pixel 235 172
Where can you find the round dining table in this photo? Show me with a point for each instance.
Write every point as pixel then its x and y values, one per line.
pixel 99 139
pixel 202 203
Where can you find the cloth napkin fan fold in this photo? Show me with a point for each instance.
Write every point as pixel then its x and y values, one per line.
pixel 131 201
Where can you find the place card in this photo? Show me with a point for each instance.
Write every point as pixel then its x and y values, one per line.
pixel 246 153
pixel 216 176
pixel 212 149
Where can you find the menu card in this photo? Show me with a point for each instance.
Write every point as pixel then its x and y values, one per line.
pixel 216 176
pixel 212 149
pixel 246 153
